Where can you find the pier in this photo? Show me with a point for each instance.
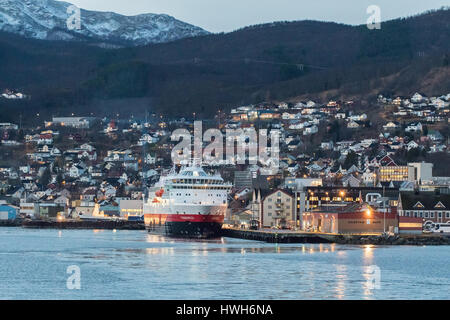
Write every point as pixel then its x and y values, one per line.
pixel 11 223
pixel 286 236
pixel 278 236
pixel 84 224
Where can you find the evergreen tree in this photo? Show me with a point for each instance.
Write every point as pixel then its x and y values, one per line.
pixel 350 160
pixel 59 178
pixel 45 178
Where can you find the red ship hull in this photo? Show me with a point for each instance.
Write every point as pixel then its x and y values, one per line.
pixel 184 225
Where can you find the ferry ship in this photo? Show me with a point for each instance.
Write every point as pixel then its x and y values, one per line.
pixel 190 204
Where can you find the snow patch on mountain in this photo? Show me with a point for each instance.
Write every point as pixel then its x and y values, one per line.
pixel 47 20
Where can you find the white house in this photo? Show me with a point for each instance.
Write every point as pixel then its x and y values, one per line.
pixel 391 126
pixel 369 178
pixel 287 116
pixel 352 125
pixel 358 117
pixel 149 159
pixel 62 200
pixel 76 171
pixel 310 130
pixel 340 115
pixel 350 181
pixel 327 145
pixel 439 103
pixel 55 152
pixel 412 145
pixel 417 98
pixel 297 126
pixel 310 104
pixel 87 147
pixel 414 127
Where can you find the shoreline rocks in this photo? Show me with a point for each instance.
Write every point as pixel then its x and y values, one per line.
pixel 11 223
pixel 405 240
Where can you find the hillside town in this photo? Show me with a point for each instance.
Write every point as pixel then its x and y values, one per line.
pixel 341 166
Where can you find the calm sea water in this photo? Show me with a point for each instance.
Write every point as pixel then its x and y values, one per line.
pixel 136 265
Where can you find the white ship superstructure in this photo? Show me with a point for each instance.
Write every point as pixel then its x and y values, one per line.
pixel 189 203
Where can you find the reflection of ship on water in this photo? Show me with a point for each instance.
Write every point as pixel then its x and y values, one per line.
pixel 190 204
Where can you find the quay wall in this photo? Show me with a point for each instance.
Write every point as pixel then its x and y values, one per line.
pixel 10 223
pixel 275 237
pixel 305 237
pixel 84 224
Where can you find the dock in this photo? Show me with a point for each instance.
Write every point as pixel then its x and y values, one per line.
pixel 287 236
pixel 84 224
pixel 11 223
pixel 279 236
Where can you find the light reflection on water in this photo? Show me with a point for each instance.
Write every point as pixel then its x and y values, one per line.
pixel 341 280
pixel 368 254
pixel 136 265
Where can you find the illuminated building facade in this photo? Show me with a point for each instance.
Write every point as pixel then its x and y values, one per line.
pixel 312 197
pixel 415 172
pixel 342 196
pixel 278 209
pixel 394 173
pixel 428 206
pixel 351 219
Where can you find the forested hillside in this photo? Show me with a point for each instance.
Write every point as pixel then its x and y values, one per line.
pixel 260 63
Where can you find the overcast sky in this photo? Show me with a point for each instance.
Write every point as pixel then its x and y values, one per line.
pixel 229 15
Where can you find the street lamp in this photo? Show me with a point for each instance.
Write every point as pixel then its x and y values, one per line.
pixel 342 194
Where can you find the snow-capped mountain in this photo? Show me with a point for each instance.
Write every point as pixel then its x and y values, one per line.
pixel 47 19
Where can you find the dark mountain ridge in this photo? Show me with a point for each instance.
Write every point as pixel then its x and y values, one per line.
pixel 269 62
